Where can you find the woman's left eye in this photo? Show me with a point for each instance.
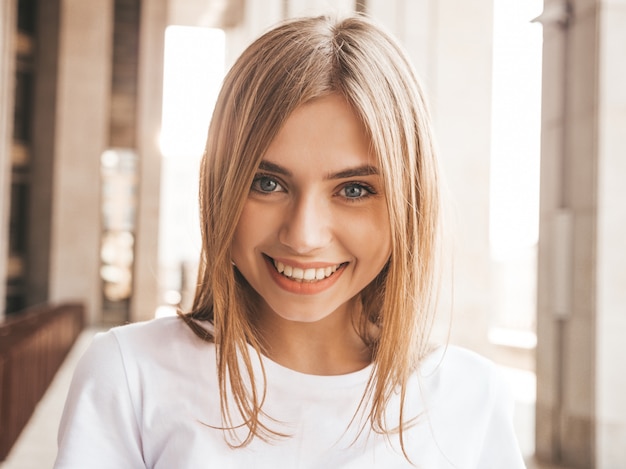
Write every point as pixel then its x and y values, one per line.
pixel 355 191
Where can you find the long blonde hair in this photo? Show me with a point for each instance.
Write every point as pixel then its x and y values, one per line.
pixel 300 60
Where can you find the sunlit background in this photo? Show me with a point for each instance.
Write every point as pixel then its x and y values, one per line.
pixel 515 149
pixel 193 71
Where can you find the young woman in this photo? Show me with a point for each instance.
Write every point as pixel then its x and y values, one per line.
pixel 307 345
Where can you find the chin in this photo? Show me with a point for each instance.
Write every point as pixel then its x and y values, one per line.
pixel 302 311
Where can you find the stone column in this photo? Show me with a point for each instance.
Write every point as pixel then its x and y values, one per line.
pixel 84 81
pixel 150 90
pixel 8 22
pixel 581 411
pixel 42 152
pixel 610 300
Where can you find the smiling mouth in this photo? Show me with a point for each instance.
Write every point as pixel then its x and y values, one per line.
pixel 305 275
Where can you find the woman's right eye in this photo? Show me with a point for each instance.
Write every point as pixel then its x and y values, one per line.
pixel 266 185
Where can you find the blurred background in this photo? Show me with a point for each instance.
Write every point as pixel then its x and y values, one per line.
pixel 104 108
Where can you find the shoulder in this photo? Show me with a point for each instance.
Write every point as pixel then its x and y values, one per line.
pixel 130 380
pixel 157 341
pixel 454 364
pixel 469 406
pixel 135 360
pixel 153 329
pixel 463 379
pixel 168 332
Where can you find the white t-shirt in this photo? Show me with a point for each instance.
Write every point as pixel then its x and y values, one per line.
pixel 146 396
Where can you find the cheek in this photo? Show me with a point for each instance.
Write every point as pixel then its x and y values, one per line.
pixel 380 229
pixel 369 237
pixel 382 240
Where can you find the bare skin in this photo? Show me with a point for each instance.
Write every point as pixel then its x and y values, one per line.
pixel 327 347
pixel 313 233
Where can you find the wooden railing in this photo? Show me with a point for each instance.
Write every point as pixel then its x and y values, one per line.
pixel 33 345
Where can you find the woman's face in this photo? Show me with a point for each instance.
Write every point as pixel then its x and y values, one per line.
pixel 315 228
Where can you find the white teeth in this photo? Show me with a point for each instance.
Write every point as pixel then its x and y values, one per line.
pixel 309 275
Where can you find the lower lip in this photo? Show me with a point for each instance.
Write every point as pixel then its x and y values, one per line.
pixel 304 287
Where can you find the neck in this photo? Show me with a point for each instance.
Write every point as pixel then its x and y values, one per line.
pixel 330 346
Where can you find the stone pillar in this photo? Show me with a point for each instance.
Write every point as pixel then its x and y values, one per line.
pixel 581 412
pixel 610 299
pixel 42 152
pixel 84 81
pixel 8 22
pixel 150 90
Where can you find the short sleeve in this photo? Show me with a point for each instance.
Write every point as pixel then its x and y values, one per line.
pixel 99 426
pixel 500 447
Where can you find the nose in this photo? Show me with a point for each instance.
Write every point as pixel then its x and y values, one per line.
pixel 307 225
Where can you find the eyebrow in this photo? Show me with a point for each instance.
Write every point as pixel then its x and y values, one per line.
pixel 365 170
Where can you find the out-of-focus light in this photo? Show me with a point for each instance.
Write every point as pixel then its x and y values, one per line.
pixel 165 311
pixel 516 127
pixel 193 71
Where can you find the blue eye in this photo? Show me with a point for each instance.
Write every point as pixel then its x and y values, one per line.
pixel 356 191
pixel 266 184
pixel 353 191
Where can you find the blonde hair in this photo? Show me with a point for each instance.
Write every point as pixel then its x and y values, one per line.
pixel 298 61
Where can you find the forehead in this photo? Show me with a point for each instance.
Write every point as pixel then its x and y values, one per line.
pixel 326 133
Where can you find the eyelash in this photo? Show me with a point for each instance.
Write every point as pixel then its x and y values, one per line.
pixel 368 191
pixel 260 177
pixel 366 188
